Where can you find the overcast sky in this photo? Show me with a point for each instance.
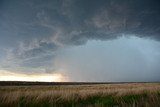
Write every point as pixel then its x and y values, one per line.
pixel 80 40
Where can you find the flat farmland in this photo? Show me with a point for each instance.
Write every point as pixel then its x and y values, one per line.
pixel 30 94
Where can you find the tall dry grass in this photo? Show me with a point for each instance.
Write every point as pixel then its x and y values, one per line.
pixel 133 95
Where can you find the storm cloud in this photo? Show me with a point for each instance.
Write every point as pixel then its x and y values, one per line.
pixel 32 32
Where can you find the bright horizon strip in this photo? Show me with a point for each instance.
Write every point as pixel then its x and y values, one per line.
pixel 42 77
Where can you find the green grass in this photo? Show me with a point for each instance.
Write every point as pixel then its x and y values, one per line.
pixel 93 101
pixel 146 95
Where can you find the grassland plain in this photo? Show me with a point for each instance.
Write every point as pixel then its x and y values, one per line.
pixel 96 95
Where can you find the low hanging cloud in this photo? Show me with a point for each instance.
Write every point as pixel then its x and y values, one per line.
pixel 73 21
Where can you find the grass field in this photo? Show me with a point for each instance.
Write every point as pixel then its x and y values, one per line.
pixel 87 95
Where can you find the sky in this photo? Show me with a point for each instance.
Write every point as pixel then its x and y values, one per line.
pixel 80 40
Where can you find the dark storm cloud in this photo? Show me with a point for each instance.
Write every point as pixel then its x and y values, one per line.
pixel 39 19
pixel 111 18
pixel 60 23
